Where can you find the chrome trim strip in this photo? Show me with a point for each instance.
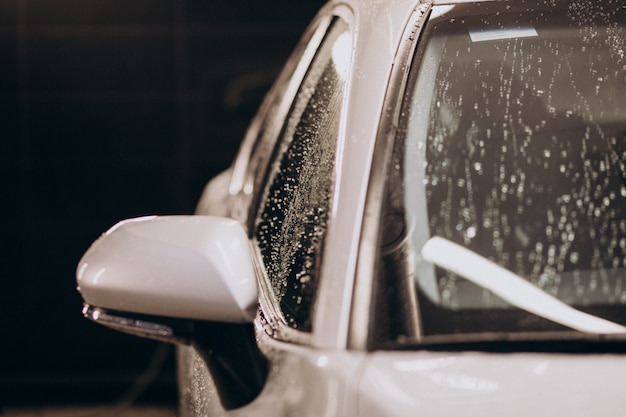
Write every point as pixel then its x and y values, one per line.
pixel 134 326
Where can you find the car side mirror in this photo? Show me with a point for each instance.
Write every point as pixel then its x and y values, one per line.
pixel 181 279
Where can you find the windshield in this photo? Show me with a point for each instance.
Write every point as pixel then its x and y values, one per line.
pixel 512 145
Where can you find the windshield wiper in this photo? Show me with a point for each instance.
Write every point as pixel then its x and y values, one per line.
pixel 512 288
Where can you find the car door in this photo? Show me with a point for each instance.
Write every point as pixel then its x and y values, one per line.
pixel 281 188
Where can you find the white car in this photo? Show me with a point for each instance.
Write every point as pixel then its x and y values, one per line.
pixel 426 217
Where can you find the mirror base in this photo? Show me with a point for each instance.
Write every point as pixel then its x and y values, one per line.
pixel 237 366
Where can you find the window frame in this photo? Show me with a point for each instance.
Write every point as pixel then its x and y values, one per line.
pixel 247 189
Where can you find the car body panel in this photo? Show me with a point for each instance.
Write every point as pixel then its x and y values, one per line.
pixel 302 382
pixel 492 384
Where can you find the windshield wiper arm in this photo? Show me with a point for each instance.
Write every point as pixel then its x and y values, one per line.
pixel 512 288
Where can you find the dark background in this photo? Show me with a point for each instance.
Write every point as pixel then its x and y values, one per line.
pixel 112 109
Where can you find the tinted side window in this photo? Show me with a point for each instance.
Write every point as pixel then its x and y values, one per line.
pixel 295 208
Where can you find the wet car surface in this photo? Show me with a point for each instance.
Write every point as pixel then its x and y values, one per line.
pixel 426 216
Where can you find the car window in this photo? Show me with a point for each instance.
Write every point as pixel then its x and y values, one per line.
pixel 294 209
pixel 249 172
pixel 512 146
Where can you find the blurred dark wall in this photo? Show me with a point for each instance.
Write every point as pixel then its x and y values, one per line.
pixel 111 109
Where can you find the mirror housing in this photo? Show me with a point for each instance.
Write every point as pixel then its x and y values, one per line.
pixel 191 267
pixel 181 279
